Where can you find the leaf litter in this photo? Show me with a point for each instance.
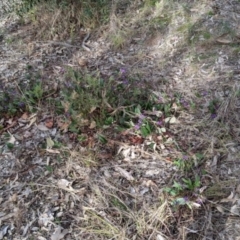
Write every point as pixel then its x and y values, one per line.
pixel 67 192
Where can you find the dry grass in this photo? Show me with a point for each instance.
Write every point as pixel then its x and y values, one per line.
pixel 63 22
pixel 110 204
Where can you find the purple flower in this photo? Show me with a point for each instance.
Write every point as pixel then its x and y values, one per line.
pixel 62 70
pixel 184 103
pixel 137 126
pixel 125 82
pixel 67 114
pixel 141 117
pixel 214 115
pixel 159 123
pixel 21 104
pixel 68 84
pixel 123 71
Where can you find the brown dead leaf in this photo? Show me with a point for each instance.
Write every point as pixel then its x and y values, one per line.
pixel 91 142
pixel 136 139
pixel 52 151
pixel 25 116
pixel 92 109
pixel 230 198
pixel 9 121
pixel 73 136
pixel 65 105
pixel 49 123
pixel 14 198
pixel 82 62
pixel 125 132
pixel 224 41
pixel 175 107
pixel 125 174
pixel 63 125
pixel 33 120
pixel 168 159
pixel 92 125
pixel 104 156
pixel 41 127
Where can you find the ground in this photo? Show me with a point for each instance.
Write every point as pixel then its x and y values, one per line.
pixel 65 175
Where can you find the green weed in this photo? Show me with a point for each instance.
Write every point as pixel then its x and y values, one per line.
pixel 175 189
pixel 99 100
pixel 117 203
pixel 213 107
pixel 179 190
pixel 11 102
pixel 183 164
pixel 120 100
pixel 192 184
pixel 10 146
pixel 49 169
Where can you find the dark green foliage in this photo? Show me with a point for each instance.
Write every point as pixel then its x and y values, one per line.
pixel 88 9
pixel 106 100
pixel 11 102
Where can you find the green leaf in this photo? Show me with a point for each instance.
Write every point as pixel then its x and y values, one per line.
pixel 199 156
pixel 10 145
pixel 102 139
pixel 49 168
pixel 180 201
pixel 177 185
pixel 144 131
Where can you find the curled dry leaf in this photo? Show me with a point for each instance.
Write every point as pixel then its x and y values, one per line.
pixel 220 208
pixel 224 40
pixel 25 116
pixel 235 210
pixel 45 218
pixel 82 62
pixel 238 188
pixel 32 121
pixel 3 231
pixel 92 109
pixel 160 237
pixel 125 174
pixel 52 151
pixel 92 125
pixel 59 234
pixel 136 139
pixel 49 123
pixel 41 127
pixel 41 238
pixel 171 120
pixel 65 185
pixel 12 139
pixel 230 198
pixel 195 205
pixel 154 113
pixel 126 152
pixel 63 125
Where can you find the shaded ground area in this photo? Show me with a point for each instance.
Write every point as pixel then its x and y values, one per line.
pixel 179 182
